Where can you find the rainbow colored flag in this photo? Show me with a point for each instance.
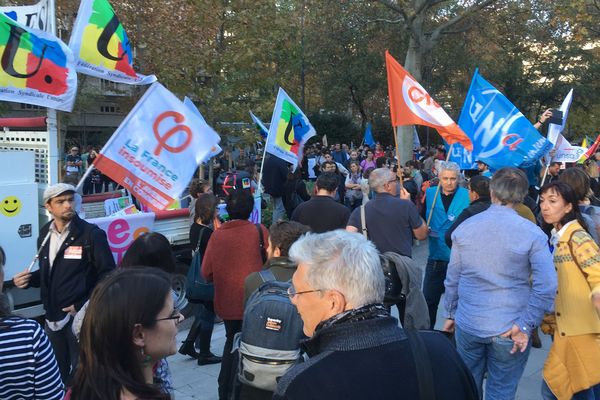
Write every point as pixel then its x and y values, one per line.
pixel 36 67
pixel 101 45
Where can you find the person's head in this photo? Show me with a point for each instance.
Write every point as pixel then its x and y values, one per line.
pixel 327 156
pixel 337 271
pixel 327 182
pixel 449 174
pixel 199 186
pixel 559 204
pixel 367 172
pixel 59 201
pixel 481 166
pixel 240 204
pixel 329 166
pixel 383 180
pixel 354 167
pixel 479 188
pixel 338 147
pixel 554 168
pixel 206 208
pixel 591 167
pixel 381 162
pixel 130 324
pixel 508 186
pixel 74 151
pixel 282 235
pixel 354 155
pixel 369 154
pixel 150 249
pixel 579 181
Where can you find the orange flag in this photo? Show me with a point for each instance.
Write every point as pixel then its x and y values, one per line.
pixel 410 104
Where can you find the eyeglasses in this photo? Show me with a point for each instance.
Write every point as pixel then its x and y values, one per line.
pixel 292 292
pixel 176 317
pixel 394 180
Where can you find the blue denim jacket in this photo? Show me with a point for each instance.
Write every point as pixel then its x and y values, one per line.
pixel 488 286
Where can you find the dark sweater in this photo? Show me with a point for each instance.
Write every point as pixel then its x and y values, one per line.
pixel 322 214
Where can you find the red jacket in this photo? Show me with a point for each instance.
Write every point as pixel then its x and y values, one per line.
pixel 233 253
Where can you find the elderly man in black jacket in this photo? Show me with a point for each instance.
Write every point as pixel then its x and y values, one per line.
pixel 74 256
pixel 356 349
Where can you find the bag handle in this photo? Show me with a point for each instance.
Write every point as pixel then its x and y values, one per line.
pixel 261 244
pixel 199 239
pixel 363 222
pixel 422 364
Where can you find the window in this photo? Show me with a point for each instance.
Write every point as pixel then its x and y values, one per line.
pixel 110 109
pixel 30 107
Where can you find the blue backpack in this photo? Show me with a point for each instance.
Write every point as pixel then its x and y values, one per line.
pixel 269 343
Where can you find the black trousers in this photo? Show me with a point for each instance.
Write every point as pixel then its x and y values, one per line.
pixel 66 350
pixel 225 376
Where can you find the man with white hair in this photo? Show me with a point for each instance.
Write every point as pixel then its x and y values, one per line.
pixel 448 203
pixel 356 349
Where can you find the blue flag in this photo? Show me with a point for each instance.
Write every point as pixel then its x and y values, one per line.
pixel 461 156
pixel 259 125
pixel 369 136
pixel 501 135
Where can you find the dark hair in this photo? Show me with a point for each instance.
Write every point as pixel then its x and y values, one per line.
pixel 2 257
pixel 109 361
pixel 325 163
pixel 205 207
pixel 240 203
pixel 151 249
pixel 380 162
pixel 553 163
pixel 579 181
pixel 567 193
pixel 481 185
pixel 284 233
pixel 327 181
pixel 197 187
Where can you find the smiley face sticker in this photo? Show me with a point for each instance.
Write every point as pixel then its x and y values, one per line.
pixel 10 206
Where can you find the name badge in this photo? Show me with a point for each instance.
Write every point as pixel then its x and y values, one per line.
pixel 451 217
pixel 73 253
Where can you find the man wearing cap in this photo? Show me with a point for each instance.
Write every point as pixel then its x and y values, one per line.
pixel 74 256
pixel 484 169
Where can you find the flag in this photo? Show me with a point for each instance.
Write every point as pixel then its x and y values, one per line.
pixel 553 129
pixel 36 16
pixel 501 135
pixel 190 104
pixel 461 156
pixel 157 148
pixel 36 68
pixel 593 148
pixel 416 140
pixel 584 144
pixel 101 45
pixel 368 140
pixel 262 129
pixel 324 141
pixel 410 104
pixel 289 130
pixel 565 152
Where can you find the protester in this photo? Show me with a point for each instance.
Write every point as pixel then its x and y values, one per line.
pixel 204 313
pixel 73 163
pixel 28 369
pixel 234 251
pixel 489 300
pixel 571 369
pixel 74 257
pixel 553 172
pixel 274 175
pixel 579 181
pixel 444 206
pixel 294 192
pixel 196 188
pixel 484 169
pixel 356 349
pixel 353 196
pixel 322 213
pixel 368 162
pixel 339 155
pixel 129 326
pixel 332 167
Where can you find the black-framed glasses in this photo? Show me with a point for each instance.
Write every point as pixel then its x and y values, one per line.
pixel 176 317
pixel 292 291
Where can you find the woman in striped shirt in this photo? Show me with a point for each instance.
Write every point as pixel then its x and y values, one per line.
pixel 28 369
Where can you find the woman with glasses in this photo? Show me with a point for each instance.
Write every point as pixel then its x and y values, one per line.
pixel 130 325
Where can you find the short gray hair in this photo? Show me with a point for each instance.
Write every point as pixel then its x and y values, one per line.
pixel 380 177
pixel 509 186
pixel 449 166
pixel 343 261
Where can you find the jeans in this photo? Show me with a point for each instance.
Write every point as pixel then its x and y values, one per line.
pixel 66 349
pixel 433 286
pixel 225 375
pixel 278 209
pixel 592 393
pixel 492 354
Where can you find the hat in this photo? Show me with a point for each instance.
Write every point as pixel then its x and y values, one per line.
pixel 56 190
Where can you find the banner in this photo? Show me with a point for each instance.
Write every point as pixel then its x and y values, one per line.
pixel 36 68
pixel 101 46
pixel 289 130
pixel 461 156
pixel 122 231
pixel 368 139
pixel 192 107
pixel 157 148
pixel 36 16
pixel 555 130
pixel 565 152
pixel 262 129
pixel 410 104
pixel 501 135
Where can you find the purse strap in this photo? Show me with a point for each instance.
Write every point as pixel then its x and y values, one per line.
pixel 261 243
pixel 199 239
pixel 363 222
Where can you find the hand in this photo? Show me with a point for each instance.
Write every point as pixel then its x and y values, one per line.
pixel 449 325
pixel 71 309
pixel 404 195
pixel 21 280
pixel 520 339
pixel 545 116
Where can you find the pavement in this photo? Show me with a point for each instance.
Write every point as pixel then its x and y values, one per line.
pixel 200 382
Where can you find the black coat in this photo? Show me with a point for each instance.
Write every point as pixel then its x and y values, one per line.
pixel 71 281
pixel 274 175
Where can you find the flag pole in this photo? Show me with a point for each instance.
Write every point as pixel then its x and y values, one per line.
pixel 399 165
pixel 437 191
pixel 262 164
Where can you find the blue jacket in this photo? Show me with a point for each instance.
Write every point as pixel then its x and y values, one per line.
pixel 442 220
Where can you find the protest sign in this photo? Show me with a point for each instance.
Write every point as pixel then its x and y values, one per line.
pixel 36 16
pixel 157 148
pixel 122 231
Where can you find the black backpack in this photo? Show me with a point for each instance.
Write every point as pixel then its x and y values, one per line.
pixel 229 181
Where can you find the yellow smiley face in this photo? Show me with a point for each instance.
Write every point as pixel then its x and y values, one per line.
pixel 10 206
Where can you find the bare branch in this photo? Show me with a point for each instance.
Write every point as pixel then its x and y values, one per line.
pixel 388 21
pixel 395 7
pixel 458 18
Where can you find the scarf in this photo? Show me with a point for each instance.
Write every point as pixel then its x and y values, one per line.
pixel 370 311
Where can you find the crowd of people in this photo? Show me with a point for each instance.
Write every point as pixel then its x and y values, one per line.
pixel 507 256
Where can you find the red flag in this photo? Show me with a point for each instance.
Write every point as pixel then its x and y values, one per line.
pixel 592 148
pixel 410 104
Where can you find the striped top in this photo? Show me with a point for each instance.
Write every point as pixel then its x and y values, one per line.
pixel 28 368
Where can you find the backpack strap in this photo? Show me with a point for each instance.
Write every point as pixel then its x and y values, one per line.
pixel 199 239
pixel 261 243
pixel 422 364
pixel 363 222
pixel 266 275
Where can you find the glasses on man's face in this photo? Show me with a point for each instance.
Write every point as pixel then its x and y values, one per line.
pixel 292 292
pixel 396 179
pixel 176 316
